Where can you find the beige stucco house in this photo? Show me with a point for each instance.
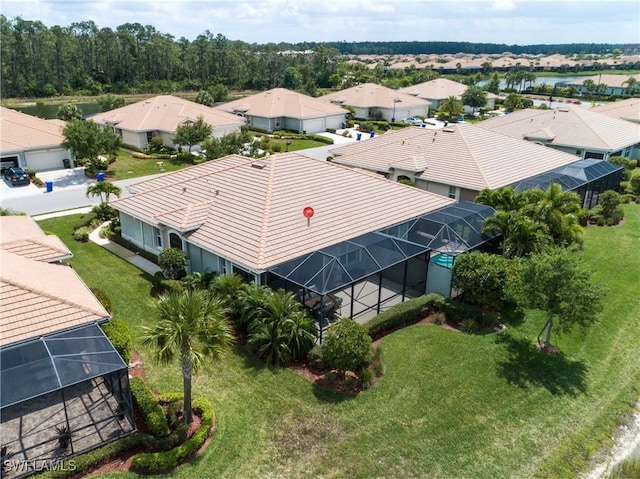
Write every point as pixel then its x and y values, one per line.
pixel 572 129
pixel 30 142
pixel 370 100
pixel 58 368
pixel 457 161
pixel 437 90
pixel 160 116
pixel 282 109
pixel 615 84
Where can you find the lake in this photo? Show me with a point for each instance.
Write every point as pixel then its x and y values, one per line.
pixel 540 80
pixel 50 110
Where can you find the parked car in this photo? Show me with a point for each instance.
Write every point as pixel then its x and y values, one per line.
pixel 17 176
pixel 414 121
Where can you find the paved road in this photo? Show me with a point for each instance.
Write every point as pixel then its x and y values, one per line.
pixel 69 192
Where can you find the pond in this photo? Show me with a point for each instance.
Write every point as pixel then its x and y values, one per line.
pixel 546 80
pixel 49 111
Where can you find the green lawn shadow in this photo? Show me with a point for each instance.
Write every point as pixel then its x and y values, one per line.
pixel 526 366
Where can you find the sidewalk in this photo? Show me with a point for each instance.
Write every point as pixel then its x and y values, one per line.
pixel 133 258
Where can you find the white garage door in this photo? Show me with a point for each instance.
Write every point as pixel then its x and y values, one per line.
pixel 315 125
pixel 46 160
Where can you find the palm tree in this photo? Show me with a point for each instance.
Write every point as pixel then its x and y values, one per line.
pixel 557 210
pixel 521 236
pixel 227 287
pixel 104 190
pixel 631 83
pixel 193 326
pixel 451 108
pixel 281 330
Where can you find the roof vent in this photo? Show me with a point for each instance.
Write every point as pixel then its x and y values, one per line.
pixel 449 130
pixel 258 165
pixel 565 110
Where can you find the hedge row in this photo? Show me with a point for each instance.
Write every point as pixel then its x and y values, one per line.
pixel 285 135
pixel 402 314
pixel 151 411
pixel 118 333
pixel 155 462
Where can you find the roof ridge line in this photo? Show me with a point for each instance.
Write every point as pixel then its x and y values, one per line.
pixel 265 215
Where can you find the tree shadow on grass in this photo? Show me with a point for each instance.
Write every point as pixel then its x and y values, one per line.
pixel 526 366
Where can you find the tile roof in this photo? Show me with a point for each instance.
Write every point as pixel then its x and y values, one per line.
pixel 22 236
pixel 19 131
pixel 280 102
pixel 628 109
pixel 164 113
pixel 38 298
pixel 611 80
pixel 461 155
pixel 571 126
pixel 369 95
pixel 250 211
pixel 438 89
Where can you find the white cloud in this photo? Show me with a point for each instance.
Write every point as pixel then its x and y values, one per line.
pixel 263 21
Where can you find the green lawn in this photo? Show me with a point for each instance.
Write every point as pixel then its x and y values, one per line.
pixel 126 166
pixel 295 145
pixel 450 404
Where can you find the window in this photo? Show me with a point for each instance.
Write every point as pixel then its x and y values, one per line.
pixel 452 192
pixel 149 136
pixel 175 241
pixel 158 237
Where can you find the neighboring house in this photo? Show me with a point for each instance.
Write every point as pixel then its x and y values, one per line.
pixel 58 369
pixel 439 89
pixel 282 109
pixel 370 100
pixel 160 116
pixel 616 84
pixel 457 161
pixel 628 109
pixel 255 217
pixel 30 142
pixel 575 130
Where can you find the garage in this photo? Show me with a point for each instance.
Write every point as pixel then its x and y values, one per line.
pixel 314 125
pixel 8 162
pixel 43 160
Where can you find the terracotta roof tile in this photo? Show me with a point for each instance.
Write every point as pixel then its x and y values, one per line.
pixel 19 131
pixel 461 155
pixel 370 95
pixel 255 208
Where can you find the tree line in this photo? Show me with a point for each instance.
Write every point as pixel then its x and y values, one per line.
pixel 38 61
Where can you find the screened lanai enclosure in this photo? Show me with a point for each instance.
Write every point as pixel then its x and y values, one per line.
pixel 60 395
pixel 365 275
pixel 588 178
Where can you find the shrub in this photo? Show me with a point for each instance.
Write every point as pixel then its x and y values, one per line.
pixel 173 262
pixel 635 185
pixel 103 298
pixel 467 325
pixel 148 463
pixel 86 220
pixel 347 346
pixel 104 212
pixel 118 333
pixel 583 217
pixel 31 173
pixel 151 411
pixel 482 277
pixel 37 181
pixel 315 356
pixel 367 376
pixel 141 156
pixel 402 314
pixel 600 221
pixel 439 318
pixel 82 234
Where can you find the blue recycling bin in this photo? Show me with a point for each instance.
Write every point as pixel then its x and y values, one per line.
pixel 358 136
pixel 372 134
pixel 49 185
pixel 100 176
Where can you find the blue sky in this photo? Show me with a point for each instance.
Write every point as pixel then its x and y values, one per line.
pixel 263 21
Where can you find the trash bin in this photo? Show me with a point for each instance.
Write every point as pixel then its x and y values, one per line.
pixel 49 185
pixel 66 163
pixel 100 176
pixel 358 136
pixel 372 134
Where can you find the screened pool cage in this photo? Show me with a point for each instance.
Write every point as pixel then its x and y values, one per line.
pixel 365 275
pixel 61 394
pixel 588 178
